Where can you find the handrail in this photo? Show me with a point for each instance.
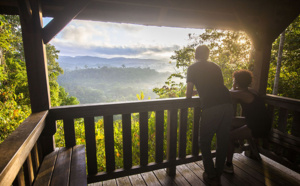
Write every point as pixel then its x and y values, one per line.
pixel 90 110
pixel 16 148
pixel 283 102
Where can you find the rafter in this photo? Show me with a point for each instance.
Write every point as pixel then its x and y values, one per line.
pixel 70 11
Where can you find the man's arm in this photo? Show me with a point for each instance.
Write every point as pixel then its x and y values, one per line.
pixel 189 90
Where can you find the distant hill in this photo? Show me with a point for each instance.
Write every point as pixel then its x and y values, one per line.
pixel 82 62
pixel 110 84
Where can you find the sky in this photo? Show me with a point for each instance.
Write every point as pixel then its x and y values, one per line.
pixel 104 39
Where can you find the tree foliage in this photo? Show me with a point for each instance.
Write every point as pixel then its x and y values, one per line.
pixel 230 50
pixel 289 82
pixel 14 94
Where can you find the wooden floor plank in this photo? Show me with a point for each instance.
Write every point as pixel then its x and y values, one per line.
pixel 78 166
pixel 150 178
pixel 46 169
pixel 247 172
pixel 137 180
pixel 179 179
pixel 111 182
pixel 163 178
pixel 198 171
pixel 95 184
pixel 123 181
pixel 230 178
pixel 189 175
pixel 289 174
pixel 245 177
pixel 61 172
pixel 267 171
pixel 253 173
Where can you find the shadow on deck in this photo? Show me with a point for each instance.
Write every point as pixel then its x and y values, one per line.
pixel 247 172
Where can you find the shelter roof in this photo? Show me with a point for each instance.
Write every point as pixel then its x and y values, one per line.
pixel 272 16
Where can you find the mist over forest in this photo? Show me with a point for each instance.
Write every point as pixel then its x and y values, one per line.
pixel 99 80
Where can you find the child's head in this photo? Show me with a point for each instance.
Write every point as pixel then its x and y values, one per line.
pixel 242 78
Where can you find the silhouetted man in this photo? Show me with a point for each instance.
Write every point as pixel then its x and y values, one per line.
pixel 217 111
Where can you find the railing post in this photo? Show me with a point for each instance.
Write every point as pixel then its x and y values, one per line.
pixel 46 139
pixel 171 141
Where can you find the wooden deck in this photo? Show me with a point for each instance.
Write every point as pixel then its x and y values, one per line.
pixel 247 172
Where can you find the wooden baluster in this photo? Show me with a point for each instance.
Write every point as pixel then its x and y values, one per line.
pixel 296 124
pixel 35 157
pixel 30 168
pixel 69 132
pixel 89 125
pixel 109 143
pixel 159 136
pixel 28 171
pixel 282 121
pixel 295 131
pixel 127 143
pixel 270 111
pixel 143 138
pixel 182 133
pixel 172 141
pixel 195 143
pixel 20 179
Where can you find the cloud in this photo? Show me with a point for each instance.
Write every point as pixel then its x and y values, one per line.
pixel 109 40
pixel 132 50
pixel 144 51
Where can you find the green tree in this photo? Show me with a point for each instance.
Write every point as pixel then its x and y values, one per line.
pixel 14 100
pixel 289 82
pixel 230 50
pixel 14 94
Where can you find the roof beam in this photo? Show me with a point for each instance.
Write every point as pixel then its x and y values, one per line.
pixel 71 10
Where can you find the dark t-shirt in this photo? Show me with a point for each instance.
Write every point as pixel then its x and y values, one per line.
pixel 208 79
pixel 257 117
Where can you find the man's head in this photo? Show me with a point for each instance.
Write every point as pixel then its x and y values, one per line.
pixel 242 78
pixel 201 53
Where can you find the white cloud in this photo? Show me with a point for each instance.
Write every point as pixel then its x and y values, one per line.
pixel 119 40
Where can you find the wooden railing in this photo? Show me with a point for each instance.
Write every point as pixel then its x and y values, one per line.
pixel 172 106
pixel 20 155
pixel 283 144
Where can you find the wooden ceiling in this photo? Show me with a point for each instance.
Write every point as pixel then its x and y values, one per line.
pixel 271 16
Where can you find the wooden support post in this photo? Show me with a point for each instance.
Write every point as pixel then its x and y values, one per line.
pixel 261 66
pixel 35 55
